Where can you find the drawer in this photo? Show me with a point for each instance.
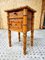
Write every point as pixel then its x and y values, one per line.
pixel 15 14
pixel 15 25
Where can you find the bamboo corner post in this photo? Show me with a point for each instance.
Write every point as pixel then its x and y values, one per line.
pixel 9 31
pixel 32 30
pixel 24 30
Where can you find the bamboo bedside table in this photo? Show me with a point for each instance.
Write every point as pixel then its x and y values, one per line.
pixel 21 20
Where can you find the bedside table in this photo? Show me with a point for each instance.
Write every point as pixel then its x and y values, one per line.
pixel 21 20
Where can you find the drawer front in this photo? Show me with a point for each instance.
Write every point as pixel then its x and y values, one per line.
pixel 15 14
pixel 15 25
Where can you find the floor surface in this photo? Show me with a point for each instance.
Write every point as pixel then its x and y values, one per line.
pixel 37 52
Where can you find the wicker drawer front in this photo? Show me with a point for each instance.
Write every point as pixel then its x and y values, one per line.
pixel 15 14
pixel 15 25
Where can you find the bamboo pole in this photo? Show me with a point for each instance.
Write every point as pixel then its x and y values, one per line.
pixel 32 29
pixel 19 36
pixel 9 32
pixel 24 30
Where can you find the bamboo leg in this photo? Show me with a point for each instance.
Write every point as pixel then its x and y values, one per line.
pixel 32 29
pixel 19 36
pixel 32 38
pixel 24 30
pixel 9 36
pixel 24 43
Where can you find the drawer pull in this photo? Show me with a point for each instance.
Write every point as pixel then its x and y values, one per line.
pixel 15 24
pixel 15 13
pixel 10 24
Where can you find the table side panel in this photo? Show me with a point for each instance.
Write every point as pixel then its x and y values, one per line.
pixel 29 20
